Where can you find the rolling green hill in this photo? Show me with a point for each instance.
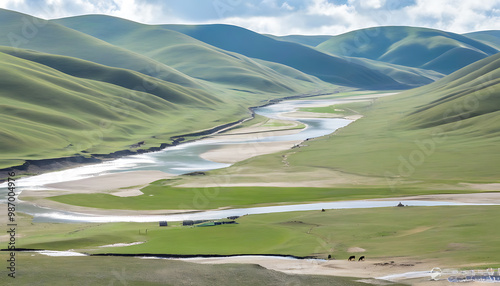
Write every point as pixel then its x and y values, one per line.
pixel 122 77
pixel 409 76
pixel 48 113
pixel 405 75
pixel 440 51
pixel 190 56
pixel 72 93
pixel 491 37
pixel 445 131
pixel 53 38
pixel 306 59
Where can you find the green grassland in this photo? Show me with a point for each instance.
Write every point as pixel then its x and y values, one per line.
pixel 37 269
pixel 338 109
pixel 160 195
pixel 454 235
pixel 436 50
pixel 445 132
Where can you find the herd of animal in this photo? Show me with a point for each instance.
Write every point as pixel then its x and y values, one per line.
pixel 353 258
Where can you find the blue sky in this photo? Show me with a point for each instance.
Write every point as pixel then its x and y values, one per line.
pixel 283 17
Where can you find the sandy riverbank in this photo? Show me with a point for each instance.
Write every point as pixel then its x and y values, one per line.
pixel 119 184
pixel 319 103
pixel 93 185
pixel 238 152
pixel 267 128
pixel 287 177
pixel 402 269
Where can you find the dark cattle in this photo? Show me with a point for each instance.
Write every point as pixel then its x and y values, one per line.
pixel 362 258
pixel 352 258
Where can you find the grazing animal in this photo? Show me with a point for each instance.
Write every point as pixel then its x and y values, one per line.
pixel 352 258
pixel 362 258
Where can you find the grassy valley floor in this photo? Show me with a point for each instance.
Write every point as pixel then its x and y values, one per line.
pixel 454 237
pixel 403 239
pixel 37 269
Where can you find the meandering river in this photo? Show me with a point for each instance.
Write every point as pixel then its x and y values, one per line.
pixel 185 158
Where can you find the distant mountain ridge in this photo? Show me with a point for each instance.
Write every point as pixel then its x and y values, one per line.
pixel 431 49
pixel 187 55
pixel 491 38
pixel 306 59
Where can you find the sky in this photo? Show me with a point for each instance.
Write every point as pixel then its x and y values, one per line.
pixel 282 17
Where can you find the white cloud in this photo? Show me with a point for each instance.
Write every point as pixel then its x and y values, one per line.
pixel 136 10
pixel 273 25
pixel 18 5
pixel 131 9
pixel 456 16
pixel 287 6
pixel 11 3
pixel 325 17
pixel 284 16
pixel 368 4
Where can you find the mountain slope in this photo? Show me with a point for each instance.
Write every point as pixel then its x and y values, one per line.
pixel 121 77
pixel 46 113
pixel 405 75
pixel 462 101
pixel 447 131
pixel 491 38
pixel 188 55
pixel 57 39
pixel 72 93
pixel 308 60
pixel 440 51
